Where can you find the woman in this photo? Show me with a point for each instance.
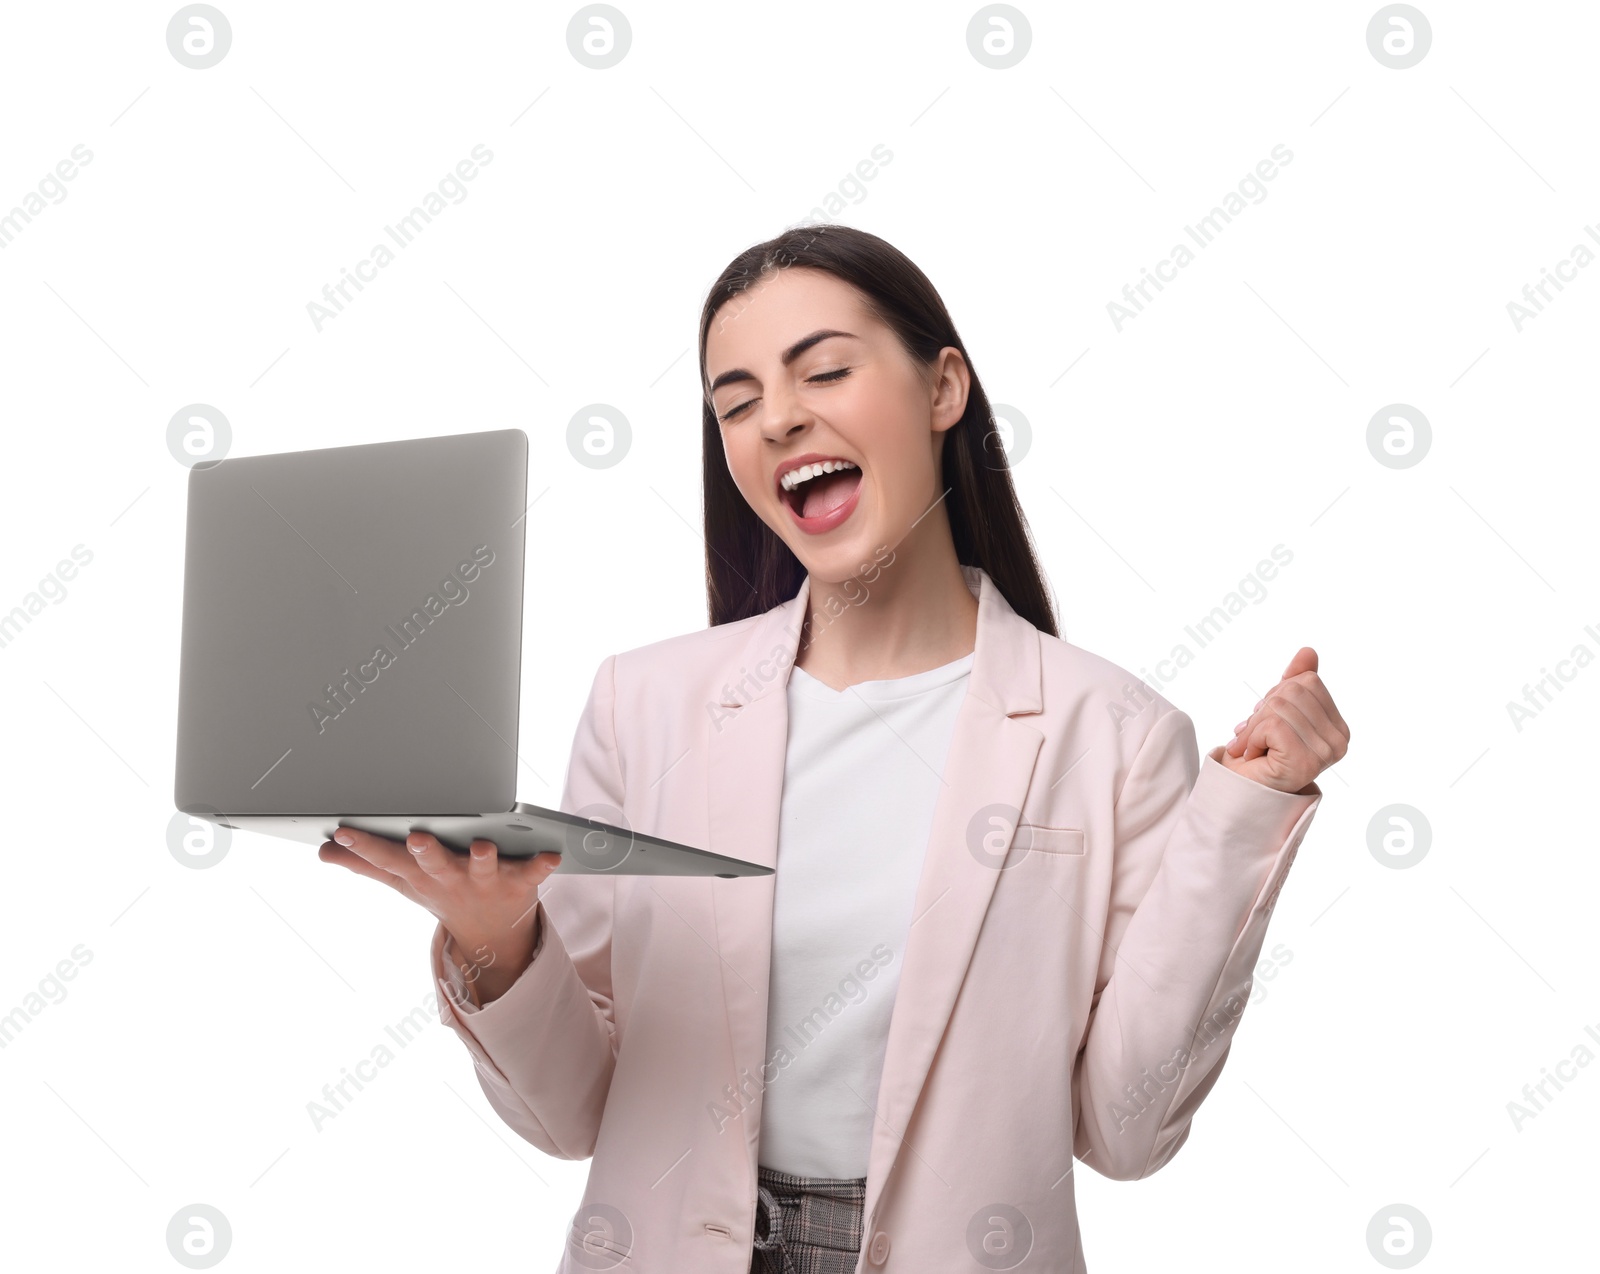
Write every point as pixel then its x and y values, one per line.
pixel 1014 913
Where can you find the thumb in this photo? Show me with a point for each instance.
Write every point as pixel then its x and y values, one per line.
pixel 1305 660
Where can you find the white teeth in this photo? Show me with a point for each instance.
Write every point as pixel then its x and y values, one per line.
pixel 795 477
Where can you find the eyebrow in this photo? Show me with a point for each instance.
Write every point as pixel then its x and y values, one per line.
pixel 789 355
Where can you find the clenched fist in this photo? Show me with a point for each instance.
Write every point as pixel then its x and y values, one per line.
pixel 1294 733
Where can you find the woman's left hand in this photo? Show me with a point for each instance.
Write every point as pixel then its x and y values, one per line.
pixel 1295 732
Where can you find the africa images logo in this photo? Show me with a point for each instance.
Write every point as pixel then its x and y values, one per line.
pixel 340 695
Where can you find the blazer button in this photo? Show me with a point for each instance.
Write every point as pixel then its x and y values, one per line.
pixel 878 1253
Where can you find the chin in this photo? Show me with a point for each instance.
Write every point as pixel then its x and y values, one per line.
pixel 837 562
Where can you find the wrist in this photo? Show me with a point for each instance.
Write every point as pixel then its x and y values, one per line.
pixel 489 966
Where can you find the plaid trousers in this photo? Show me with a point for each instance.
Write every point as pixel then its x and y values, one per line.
pixel 807 1225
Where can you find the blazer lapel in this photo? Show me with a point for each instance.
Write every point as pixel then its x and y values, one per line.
pixel 986 777
pixel 990 764
pixel 749 734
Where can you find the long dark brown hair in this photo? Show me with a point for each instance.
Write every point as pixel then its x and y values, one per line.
pixel 749 569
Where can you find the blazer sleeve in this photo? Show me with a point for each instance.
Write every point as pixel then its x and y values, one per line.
pixel 1200 855
pixel 546 1049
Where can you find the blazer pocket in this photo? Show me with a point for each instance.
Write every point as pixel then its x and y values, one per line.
pixel 1051 840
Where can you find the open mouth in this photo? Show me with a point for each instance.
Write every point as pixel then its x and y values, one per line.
pixel 815 492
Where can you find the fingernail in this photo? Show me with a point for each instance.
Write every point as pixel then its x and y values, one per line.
pixel 1241 726
pixel 344 837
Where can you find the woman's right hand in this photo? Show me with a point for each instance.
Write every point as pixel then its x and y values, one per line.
pixel 488 904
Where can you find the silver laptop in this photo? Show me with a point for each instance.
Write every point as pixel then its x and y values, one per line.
pixel 352 648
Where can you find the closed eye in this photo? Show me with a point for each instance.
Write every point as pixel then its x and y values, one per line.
pixel 820 378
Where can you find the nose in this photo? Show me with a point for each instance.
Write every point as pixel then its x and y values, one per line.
pixel 783 414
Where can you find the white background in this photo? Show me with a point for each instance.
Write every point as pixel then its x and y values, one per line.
pixel 1229 417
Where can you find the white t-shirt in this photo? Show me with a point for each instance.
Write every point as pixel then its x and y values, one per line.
pixel 861 774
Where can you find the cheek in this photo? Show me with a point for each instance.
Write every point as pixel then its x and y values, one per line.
pixel 743 464
pixel 897 454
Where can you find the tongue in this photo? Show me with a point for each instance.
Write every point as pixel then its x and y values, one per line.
pixel 825 494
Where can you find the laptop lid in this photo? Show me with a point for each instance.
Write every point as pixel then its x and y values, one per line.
pixel 352 629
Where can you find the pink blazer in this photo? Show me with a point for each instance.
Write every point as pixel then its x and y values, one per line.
pixel 1075 998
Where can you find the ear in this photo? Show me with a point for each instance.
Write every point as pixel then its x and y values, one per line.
pixel 951 382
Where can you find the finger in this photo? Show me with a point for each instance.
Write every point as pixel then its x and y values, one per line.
pixel 1263 705
pixel 1270 734
pixel 1300 737
pixel 1286 729
pixel 1305 711
pixel 1303 667
pixel 535 869
pixel 390 855
pixel 1241 732
pixel 1315 685
pixel 1255 712
pixel 483 860
pixel 1247 734
pixel 430 854
pixel 1305 660
pixel 1330 735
